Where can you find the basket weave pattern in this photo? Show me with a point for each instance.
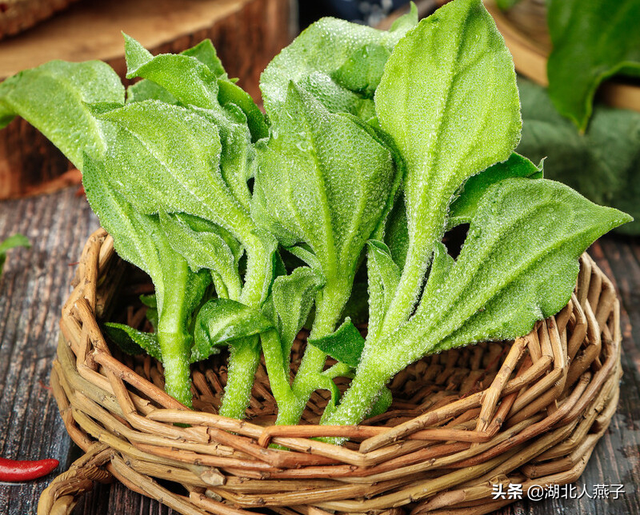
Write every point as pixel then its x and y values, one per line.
pixel 528 412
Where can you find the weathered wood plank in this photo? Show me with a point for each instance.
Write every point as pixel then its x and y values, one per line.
pixel 33 287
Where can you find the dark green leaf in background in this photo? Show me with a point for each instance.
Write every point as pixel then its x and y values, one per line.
pixel 592 40
pixel 603 164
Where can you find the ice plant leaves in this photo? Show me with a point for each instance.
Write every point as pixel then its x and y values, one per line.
pixel 220 321
pixel 592 40
pixel 54 99
pixel 323 180
pixel 353 113
pixel 188 79
pixel 518 265
pixel 448 98
pixel 324 47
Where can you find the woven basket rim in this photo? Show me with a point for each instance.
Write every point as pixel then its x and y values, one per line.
pixel 535 422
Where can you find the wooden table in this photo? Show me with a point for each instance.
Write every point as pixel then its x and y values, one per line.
pixel 36 282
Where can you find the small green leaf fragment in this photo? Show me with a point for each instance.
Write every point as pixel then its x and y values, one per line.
pixel 220 321
pixel 345 344
pixel 464 206
pixel 15 240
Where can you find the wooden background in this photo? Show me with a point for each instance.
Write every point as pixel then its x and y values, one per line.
pixel 36 281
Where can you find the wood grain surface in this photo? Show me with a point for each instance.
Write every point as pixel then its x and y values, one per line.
pixel 36 282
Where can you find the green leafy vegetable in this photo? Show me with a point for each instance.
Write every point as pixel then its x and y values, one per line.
pixel 449 101
pixel 518 265
pixel 592 40
pixel 376 143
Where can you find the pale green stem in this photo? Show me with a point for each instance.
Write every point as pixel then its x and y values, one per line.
pixel 245 353
pixel 329 305
pixel 243 362
pixel 175 342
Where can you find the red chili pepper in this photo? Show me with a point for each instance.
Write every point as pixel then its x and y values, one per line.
pixel 15 471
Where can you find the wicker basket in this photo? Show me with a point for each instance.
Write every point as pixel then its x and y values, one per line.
pixel 527 412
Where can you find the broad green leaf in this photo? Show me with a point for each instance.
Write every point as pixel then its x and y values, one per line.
pixel 464 206
pixel 293 297
pixel 139 239
pixel 323 47
pixel 518 265
pixel 54 99
pixel 384 276
pixel 220 321
pixel 592 40
pixel 207 250
pixel 448 98
pixel 132 232
pixel 237 155
pixel 345 344
pixel 323 180
pixel 15 240
pixel 132 341
pixel 603 164
pixel 185 77
pixel 179 151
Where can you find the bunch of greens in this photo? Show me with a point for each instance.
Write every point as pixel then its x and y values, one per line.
pixel 373 145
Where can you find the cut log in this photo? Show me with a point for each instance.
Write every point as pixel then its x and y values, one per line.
pixel 246 34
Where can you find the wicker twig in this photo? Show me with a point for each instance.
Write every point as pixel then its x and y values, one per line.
pixel 529 411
